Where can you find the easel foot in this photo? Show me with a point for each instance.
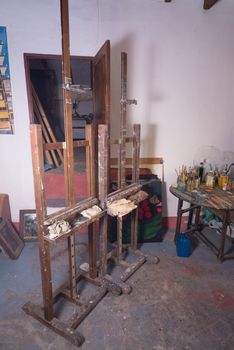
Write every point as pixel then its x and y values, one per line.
pixel 55 324
pixel 150 258
pixel 116 287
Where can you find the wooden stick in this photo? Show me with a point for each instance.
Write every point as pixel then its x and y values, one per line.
pixel 39 189
pixel 123 131
pixel 52 159
pixel 103 160
pixel 68 212
pixel 45 121
pixel 103 156
pixel 123 193
pixel 69 153
pixel 90 158
pixel 143 161
pixel 90 170
pixel 136 153
pixel 119 238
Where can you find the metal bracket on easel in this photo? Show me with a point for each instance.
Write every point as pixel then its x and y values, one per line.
pixel 76 88
pixel 128 102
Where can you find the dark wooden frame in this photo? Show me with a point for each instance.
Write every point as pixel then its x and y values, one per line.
pixel 7 244
pixel 23 235
pixel 27 57
pixel 208 4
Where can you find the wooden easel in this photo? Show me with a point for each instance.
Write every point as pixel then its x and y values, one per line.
pixel 96 273
pixel 45 314
pixel 123 191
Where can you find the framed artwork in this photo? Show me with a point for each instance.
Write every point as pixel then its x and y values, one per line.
pixel 6 109
pixel 28 225
pixel 10 241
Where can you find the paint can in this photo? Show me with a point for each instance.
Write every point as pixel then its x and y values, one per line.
pixel 223 181
pixel 210 180
pixel 183 245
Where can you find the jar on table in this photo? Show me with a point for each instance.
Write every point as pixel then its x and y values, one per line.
pixel 210 179
pixel 223 181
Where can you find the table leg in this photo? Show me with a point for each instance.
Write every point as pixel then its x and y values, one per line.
pixel 179 216
pixel 223 235
pixel 197 217
pixel 190 217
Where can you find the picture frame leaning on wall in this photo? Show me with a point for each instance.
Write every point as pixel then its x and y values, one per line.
pixel 28 225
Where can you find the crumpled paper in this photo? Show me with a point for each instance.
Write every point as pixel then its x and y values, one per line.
pixel 120 207
pixel 138 196
pixel 58 228
pixel 91 212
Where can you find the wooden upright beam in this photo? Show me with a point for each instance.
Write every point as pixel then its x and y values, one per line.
pixel 39 189
pixel 90 160
pixel 103 161
pixel 91 184
pixel 68 152
pixel 136 153
pixel 67 103
pixel 123 115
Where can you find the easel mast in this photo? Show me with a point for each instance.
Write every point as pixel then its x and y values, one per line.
pixel 68 152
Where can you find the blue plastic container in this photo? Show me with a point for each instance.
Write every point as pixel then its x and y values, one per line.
pixel 183 245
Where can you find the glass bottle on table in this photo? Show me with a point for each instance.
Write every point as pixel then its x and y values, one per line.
pixel 210 180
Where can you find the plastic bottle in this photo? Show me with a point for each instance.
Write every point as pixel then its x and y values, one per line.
pixel 201 171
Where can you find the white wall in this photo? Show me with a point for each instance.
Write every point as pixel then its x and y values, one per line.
pixel 180 70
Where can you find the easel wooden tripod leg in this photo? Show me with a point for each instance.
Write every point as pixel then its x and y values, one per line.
pixel 135 178
pixel 91 187
pixel 92 250
pixel 103 245
pixel 103 155
pixel 72 266
pixel 134 229
pixel 44 249
pixel 119 247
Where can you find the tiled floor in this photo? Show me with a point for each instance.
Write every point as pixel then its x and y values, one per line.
pixel 180 303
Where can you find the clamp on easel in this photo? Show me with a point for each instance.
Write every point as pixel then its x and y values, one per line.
pixel 128 102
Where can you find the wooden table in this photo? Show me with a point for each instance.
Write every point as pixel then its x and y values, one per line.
pixel 218 202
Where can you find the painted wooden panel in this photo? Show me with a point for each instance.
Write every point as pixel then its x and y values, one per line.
pixel 6 112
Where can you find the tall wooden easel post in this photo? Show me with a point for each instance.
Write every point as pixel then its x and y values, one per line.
pixel 122 156
pixel 103 161
pixel 41 212
pixel 68 152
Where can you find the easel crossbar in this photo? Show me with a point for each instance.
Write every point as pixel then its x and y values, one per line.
pixel 72 210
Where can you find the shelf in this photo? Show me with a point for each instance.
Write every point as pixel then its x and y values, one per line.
pixel 74 229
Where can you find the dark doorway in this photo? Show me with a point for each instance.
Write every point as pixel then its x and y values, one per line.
pixel 44 81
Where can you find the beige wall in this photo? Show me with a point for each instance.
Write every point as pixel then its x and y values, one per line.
pixel 181 71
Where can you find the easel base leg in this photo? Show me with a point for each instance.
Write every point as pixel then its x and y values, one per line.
pixel 56 325
pixel 67 329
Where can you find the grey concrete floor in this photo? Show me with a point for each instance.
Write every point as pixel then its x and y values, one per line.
pixel 180 303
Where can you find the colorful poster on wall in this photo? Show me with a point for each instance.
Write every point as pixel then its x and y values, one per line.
pixel 6 110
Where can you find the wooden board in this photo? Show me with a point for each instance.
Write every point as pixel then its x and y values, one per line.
pixel 10 241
